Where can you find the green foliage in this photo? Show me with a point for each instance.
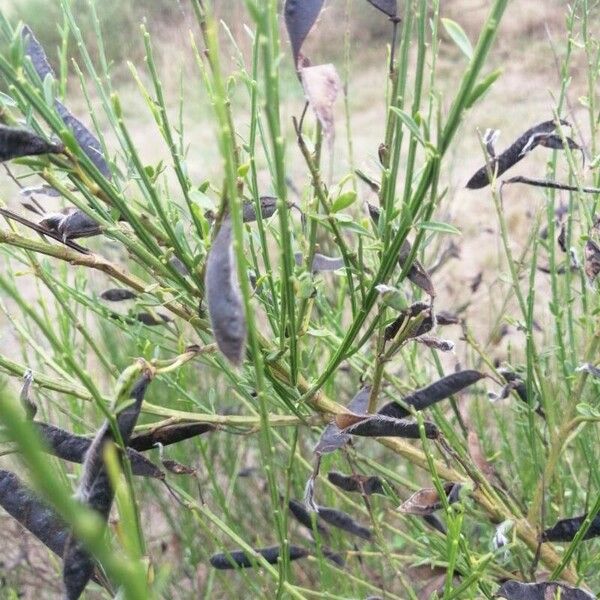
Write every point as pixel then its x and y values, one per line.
pixel 273 214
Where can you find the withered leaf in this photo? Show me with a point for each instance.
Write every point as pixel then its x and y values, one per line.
pixel 322 84
pixel 177 468
pixel 562 238
pixel 389 7
pixel 513 154
pixel 16 142
pixel 332 437
pixel 300 16
pixel 436 343
pixel 547 590
pixel 118 295
pixel 225 307
pixel 357 483
pixel 437 391
pixel 592 260
pixel 566 529
pixel 427 500
pixel 239 559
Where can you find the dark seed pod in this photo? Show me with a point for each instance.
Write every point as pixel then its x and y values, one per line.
pixel 300 16
pixel 517 590
pixel 304 517
pixel 444 317
pixel 414 310
pixel 388 7
pixel 118 295
pixel 513 154
pixel 16 142
pixel 239 559
pixel 416 274
pixel 51 221
pixel 427 396
pixel 77 224
pixel 151 320
pixel 36 53
pixel 435 523
pixel 554 142
pixel 321 262
pixel 334 557
pixel 179 266
pixel 357 483
pixel 427 500
pixel 381 426
pixel 171 434
pixel 87 141
pixel 268 206
pixel 592 260
pixel 566 529
pixel 332 437
pixel 38 518
pixel 96 491
pixel 225 307
pixel 73 448
pixel 341 520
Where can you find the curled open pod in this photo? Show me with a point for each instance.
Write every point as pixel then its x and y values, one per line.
pixel 95 489
pixel 513 154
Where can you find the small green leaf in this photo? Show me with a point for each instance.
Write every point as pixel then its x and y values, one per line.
pixel 343 201
pixel 482 87
pixel 410 123
pixel 392 297
pixel 7 100
pixel 243 170
pixel 439 227
pixel 459 37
